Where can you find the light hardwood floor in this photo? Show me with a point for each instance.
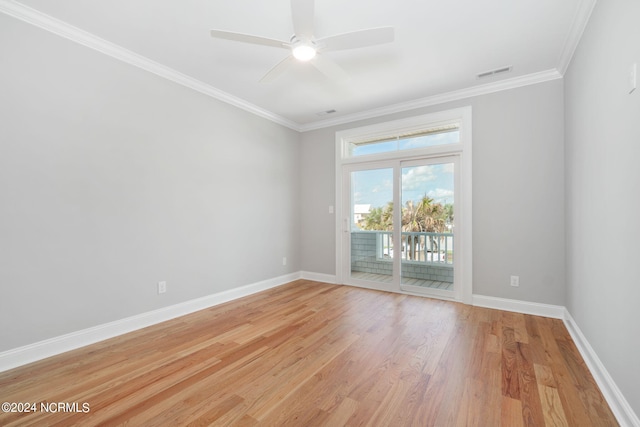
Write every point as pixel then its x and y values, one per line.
pixel 309 353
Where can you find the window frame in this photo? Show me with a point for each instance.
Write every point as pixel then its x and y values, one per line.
pixel 401 126
pixel 462 150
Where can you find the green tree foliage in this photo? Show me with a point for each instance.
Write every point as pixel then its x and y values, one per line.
pixel 422 216
pixel 380 219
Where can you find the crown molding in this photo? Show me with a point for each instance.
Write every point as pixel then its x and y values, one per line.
pixel 63 29
pixel 515 82
pixel 575 34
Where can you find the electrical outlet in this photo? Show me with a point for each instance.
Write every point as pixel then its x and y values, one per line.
pixel 515 280
pixel 162 287
pixel 284 260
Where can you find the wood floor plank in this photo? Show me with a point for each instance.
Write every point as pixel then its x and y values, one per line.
pixel 470 412
pixel 551 406
pixel 455 362
pixel 520 328
pixel 342 413
pixel 589 393
pixel 511 412
pixel 575 411
pixel 531 406
pixel 544 376
pixel 510 381
pixel 490 376
pixel 310 353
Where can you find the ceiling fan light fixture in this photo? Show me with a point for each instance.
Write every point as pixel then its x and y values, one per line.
pixel 304 52
pixel 304 47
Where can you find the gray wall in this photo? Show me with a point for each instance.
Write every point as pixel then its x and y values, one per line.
pixel 602 188
pixel 112 179
pixel 518 192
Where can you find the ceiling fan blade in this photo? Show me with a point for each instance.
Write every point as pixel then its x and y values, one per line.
pixel 355 39
pixel 246 38
pixel 278 70
pixel 329 68
pixel 302 13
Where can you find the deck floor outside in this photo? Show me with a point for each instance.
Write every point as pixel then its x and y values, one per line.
pixel 384 278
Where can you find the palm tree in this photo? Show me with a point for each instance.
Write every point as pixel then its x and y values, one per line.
pixel 423 216
pixel 411 222
pixel 373 220
pixel 448 213
pixel 433 216
pixel 387 217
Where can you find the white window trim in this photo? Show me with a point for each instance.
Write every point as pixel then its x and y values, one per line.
pixel 461 149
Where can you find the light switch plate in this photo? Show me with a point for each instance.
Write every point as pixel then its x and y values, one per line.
pixel 633 77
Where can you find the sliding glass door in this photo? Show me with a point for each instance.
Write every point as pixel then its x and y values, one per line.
pixel 403 197
pixel 411 248
pixel 428 225
pixel 370 225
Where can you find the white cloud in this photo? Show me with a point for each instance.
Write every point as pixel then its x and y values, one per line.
pixel 441 195
pixel 415 178
pixel 386 186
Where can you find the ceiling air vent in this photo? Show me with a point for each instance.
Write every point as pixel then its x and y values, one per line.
pixel 325 113
pixel 494 72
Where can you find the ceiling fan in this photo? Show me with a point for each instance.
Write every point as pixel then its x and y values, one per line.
pixel 306 48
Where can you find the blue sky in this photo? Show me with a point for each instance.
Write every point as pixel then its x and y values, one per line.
pixel 407 143
pixel 375 187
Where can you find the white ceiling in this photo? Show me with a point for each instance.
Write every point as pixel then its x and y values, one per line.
pixel 439 47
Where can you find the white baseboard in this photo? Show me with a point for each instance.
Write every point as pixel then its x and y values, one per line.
pixel 525 307
pixel 614 397
pixel 318 277
pixel 53 346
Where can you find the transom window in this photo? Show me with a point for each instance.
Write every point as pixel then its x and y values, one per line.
pixel 403 198
pixel 408 139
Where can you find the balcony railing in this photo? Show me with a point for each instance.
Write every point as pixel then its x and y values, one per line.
pixel 419 247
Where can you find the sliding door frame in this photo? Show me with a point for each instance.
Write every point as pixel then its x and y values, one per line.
pixel 453 159
pixel 462 150
pixel 394 286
